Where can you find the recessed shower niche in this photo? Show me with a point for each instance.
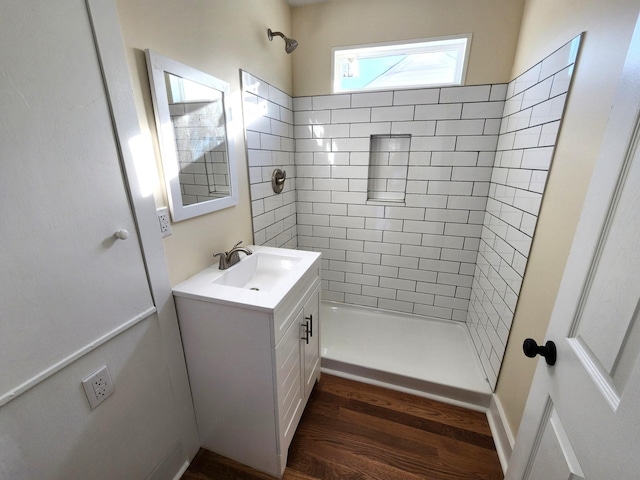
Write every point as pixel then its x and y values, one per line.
pixel 456 248
pixel 388 167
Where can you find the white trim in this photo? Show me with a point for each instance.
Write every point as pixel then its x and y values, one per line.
pixel 157 66
pixel 173 465
pixel 503 437
pixel 468 400
pixel 183 469
pixel 56 367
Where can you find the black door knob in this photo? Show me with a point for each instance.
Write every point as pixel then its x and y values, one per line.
pixel 548 351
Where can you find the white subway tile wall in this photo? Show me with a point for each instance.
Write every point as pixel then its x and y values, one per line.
pixel 416 255
pixel 457 247
pixel 268 122
pixel 532 113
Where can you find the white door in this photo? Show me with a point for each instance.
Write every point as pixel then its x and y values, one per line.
pixel 67 281
pixel 582 418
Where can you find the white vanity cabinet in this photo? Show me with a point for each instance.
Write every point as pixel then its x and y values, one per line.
pixel 251 367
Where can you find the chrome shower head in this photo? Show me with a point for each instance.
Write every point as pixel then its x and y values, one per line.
pixel 289 43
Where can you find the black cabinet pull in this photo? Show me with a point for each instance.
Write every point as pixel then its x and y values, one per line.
pixel 306 332
pixel 310 318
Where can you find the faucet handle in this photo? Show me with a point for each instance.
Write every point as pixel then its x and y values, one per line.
pixel 222 265
pixel 237 244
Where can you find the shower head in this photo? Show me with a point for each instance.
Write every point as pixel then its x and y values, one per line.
pixel 289 43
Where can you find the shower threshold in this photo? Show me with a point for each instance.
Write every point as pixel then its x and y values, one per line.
pixel 422 356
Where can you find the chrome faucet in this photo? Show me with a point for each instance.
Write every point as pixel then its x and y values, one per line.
pixel 230 258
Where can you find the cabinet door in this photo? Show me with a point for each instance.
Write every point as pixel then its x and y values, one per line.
pixel 311 366
pixel 289 382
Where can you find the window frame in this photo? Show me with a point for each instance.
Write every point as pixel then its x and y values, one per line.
pixel 398 48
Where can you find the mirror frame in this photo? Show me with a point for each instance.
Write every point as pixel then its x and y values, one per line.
pixel 157 65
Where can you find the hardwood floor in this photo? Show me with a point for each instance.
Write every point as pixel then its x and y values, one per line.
pixel 354 431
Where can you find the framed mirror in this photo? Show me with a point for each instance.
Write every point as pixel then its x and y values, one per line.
pixel 192 115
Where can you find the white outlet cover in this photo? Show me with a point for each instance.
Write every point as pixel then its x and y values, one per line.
pixel 98 386
pixel 164 222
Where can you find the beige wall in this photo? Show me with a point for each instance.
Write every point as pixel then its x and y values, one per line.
pixel 546 25
pixel 218 37
pixel 319 27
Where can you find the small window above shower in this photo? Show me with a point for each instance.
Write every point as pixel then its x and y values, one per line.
pixel 388 168
pixel 428 62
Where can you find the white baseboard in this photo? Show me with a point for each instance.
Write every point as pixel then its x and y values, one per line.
pixel 502 435
pixel 172 466
pixel 181 471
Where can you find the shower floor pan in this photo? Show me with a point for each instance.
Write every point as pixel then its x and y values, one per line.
pixel 427 357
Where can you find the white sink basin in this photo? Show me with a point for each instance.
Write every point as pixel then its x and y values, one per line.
pixel 259 281
pixel 260 272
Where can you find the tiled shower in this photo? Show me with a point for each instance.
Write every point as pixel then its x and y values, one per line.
pixel 421 201
pixel 416 255
pixel 529 129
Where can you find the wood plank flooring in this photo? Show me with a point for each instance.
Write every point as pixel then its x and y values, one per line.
pixel 355 431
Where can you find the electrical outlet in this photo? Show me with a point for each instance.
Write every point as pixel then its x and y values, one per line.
pixel 98 386
pixel 163 219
